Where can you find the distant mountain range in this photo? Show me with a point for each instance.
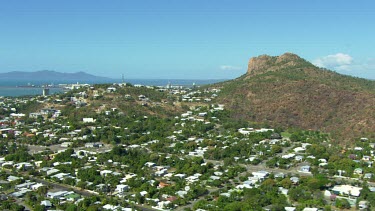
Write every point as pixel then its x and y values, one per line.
pixel 289 91
pixel 50 75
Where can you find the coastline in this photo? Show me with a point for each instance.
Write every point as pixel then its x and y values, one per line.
pixel 12 91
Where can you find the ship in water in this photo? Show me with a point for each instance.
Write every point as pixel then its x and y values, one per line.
pixel 29 85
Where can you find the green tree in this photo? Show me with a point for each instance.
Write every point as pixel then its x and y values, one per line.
pixel 139 198
pixel 39 207
pixel 299 194
pixel 286 183
pixel 17 207
pixel 342 203
pixel 327 208
pixel 71 207
pixel 234 206
pixel 42 190
pixel 276 149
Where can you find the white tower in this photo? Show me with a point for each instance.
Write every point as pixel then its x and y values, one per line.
pixel 45 91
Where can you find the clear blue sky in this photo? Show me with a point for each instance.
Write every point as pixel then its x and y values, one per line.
pixel 175 39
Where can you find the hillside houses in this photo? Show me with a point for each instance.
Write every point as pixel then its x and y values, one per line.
pixel 190 156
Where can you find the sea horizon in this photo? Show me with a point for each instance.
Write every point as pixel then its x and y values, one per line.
pixel 155 82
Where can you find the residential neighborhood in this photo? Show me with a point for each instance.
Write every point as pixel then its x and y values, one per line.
pixel 125 147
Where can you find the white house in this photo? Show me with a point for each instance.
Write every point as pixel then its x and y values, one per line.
pixel 287 156
pixel 305 169
pixel 23 166
pixel 180 175
pixel 105 172
pixel 93 145
pixel 214 177
pixel 368 176
pixel 24 185
pixel 299 149
pixel 46 203
pixel 163 204
pixel 294 180
pixel 358 148
pixel 122 188
pixel 61 176
pixel 150 164
pixel 279 175
pixel 363 205
pixel 299 158
pixel 358 171
pixel 111 89
pixel 36 186
pixel 310 209
pixel 56 195
pixel 242 186
pixel 88 120
pixel 52 171
pixel 66 144
pixel 260 174
pixel 347 190
pixel 13 178
pixel 181 193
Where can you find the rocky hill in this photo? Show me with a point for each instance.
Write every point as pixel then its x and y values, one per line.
pixel 265 63
pixel 288 91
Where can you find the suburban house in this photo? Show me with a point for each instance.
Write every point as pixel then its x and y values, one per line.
pixel 122 188
pixel 261 175
pixel 46 203
pixel 305 169
pixel 88 120
pixel 57 195
pixel 346 190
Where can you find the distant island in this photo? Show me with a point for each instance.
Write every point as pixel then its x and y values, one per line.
pixel 50 75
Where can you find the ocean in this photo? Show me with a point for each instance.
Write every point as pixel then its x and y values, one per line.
pixel 25 91
pixel 17 88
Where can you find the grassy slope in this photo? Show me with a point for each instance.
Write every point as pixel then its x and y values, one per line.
pixel 306 97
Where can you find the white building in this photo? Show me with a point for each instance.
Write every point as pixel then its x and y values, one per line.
pixel 122 188
pixel 347 190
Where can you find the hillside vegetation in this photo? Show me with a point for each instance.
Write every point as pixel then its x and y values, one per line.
pixel 288 91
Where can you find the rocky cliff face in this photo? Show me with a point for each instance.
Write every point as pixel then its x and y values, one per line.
pixel 265 63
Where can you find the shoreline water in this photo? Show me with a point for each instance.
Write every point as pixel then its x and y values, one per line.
pixel 25 91
pixel 35 87
pixel 154 82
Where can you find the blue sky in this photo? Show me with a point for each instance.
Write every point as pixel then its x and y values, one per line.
pixel 176 39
